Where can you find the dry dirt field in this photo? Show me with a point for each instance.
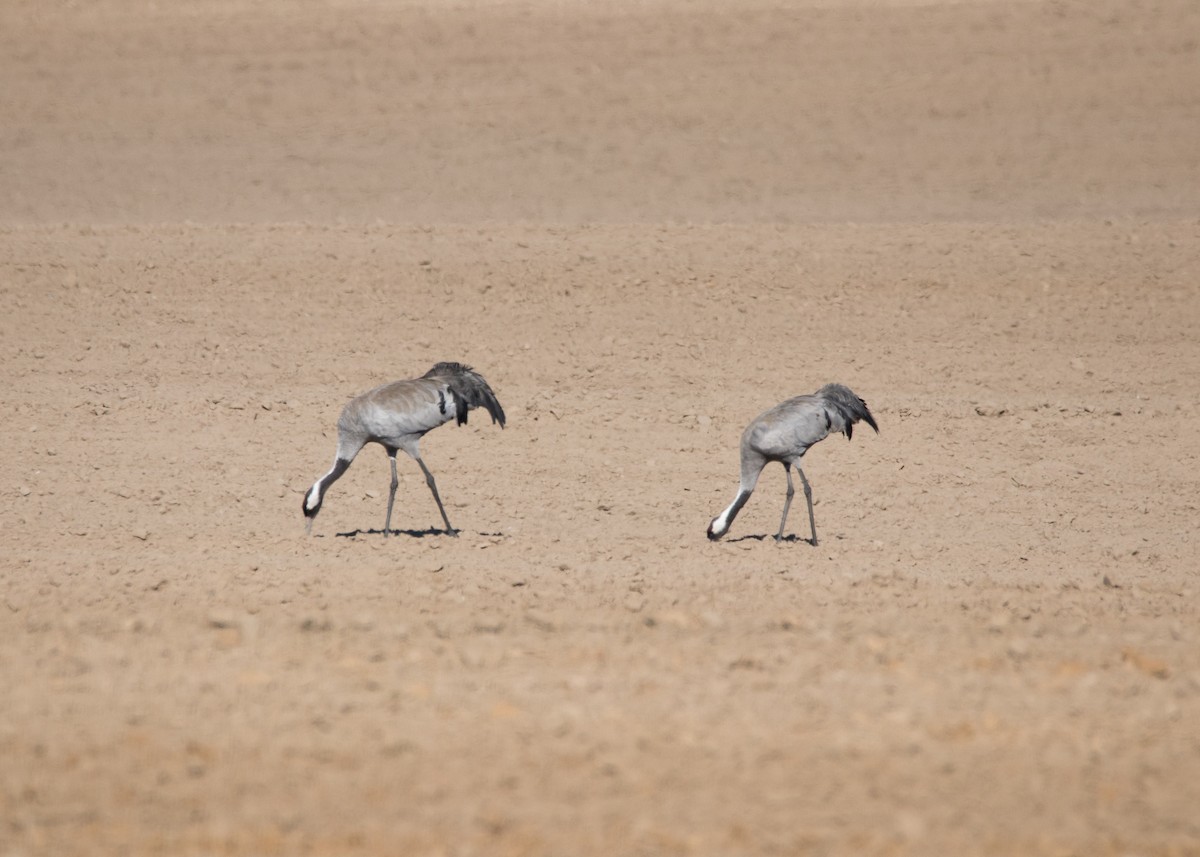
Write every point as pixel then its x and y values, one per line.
pixel 644 223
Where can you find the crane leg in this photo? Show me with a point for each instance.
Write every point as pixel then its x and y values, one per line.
pixel 787 501
pixel 812 521
pixel 433 487
pixel 387 524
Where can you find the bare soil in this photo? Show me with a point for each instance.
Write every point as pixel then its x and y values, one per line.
pixel 644 223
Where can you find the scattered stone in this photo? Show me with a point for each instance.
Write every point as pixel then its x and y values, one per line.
pixel 228 638
pixel 1149 665
pixel 472 657
pixel 539 621
pixel 222 619
pixel 746 663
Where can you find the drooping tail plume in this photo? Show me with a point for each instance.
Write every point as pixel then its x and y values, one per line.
pixel 470 391
pixel 848 405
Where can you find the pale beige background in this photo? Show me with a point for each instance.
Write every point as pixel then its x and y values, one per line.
pixel 644 223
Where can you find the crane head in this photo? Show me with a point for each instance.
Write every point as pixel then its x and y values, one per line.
pixel 312 504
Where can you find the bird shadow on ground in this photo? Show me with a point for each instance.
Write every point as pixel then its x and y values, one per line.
pixel 414 534
pixel 762 538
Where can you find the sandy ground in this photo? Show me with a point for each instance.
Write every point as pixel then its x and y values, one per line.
pixel 644 223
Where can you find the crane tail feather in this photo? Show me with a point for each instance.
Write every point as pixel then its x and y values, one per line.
pixel 849 405
pixel 470 391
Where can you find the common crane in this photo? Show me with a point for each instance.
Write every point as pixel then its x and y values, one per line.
pixel 397 416
pixel 784 434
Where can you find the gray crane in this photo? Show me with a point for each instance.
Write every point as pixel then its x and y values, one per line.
pixel 397 416
pixel 784 434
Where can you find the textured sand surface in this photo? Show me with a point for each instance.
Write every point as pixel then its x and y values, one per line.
pixel 644 223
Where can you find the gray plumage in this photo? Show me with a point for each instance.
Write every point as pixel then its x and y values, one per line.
pixel 784 434
pixel 397 416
